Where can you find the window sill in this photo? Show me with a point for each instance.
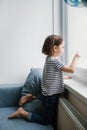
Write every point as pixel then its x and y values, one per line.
pixel 78 88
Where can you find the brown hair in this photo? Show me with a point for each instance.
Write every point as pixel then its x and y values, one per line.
pixel 49 42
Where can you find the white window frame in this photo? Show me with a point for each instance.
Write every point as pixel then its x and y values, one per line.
pixel 80 73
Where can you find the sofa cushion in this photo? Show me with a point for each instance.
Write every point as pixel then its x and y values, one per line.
pixel 18 123
pixel 10 94
pixel 33 82
pixel 33 85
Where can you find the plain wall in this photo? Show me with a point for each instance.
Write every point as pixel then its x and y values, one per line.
pixel 24 25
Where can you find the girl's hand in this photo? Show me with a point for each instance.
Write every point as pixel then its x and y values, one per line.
pixel 77 55
pixel 67 77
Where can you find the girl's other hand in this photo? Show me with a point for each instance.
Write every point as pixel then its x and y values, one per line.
pixel 67 77
pixel 77 55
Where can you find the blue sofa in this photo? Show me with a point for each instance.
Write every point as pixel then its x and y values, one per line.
pixel 9 97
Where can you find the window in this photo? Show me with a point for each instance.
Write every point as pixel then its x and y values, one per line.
pixel 75 35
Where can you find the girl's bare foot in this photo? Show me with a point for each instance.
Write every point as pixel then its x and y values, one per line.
pixel 24 99
pixel 19 113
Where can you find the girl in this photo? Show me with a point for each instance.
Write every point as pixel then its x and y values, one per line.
pixel 52 81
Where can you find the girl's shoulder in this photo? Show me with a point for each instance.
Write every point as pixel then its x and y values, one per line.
pixel 52 59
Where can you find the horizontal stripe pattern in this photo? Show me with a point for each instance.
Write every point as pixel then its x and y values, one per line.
pixel 52 81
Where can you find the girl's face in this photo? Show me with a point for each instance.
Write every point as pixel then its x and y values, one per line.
pixel 59 50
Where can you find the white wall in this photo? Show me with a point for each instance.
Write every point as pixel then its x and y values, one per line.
pixel 24 24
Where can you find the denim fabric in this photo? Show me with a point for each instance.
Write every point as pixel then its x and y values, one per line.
pixel 35 106
pixel 29 116
pixel 49 110
pixel 33 82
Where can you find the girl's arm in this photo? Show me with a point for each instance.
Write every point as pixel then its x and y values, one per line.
pixel 67 77
pixel 71 67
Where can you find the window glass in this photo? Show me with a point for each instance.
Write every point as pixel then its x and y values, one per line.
pixel 77 34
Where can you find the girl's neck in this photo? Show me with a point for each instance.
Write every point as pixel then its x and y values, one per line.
pixel 55 56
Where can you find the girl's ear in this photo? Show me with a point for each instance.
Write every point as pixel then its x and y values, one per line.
pixel 55 48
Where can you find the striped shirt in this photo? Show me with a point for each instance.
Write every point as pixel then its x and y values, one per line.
pixel 52 81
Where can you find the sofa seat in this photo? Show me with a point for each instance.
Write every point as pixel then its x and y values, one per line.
pixel 9 98
pixel 18 124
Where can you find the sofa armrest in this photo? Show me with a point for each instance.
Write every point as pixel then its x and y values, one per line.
pixel 10 94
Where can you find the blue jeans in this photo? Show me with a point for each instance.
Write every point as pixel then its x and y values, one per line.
pixel 49 110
